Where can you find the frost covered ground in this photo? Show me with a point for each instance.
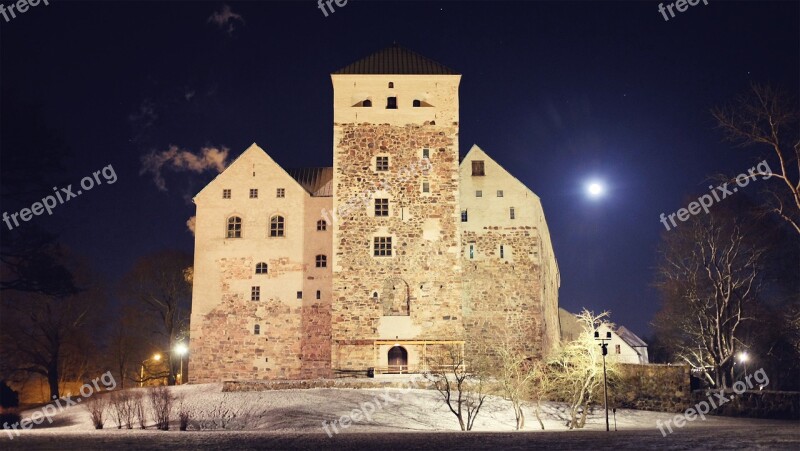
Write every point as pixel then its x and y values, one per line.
pixel 390 419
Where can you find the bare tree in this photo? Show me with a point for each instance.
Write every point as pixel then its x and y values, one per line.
pixel 158 283
pixel 575 372
pixel 709 275
pixel 518 375
pixel 768 118
pixel 464 391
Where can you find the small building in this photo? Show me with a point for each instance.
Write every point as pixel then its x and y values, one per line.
pixel 625 346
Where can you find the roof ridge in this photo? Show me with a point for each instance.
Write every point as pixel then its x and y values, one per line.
pixel 395 60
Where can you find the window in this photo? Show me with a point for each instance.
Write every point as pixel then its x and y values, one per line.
pixel 391 85
pixel 322 225
pixel 471 251
pixel 257 329
pixel 276 226
pixel 511 213
pixel 234 227
pixel 426 187
pixel 299 295
pixel 477 167
pixel 366 103
pixel 261 268
pixel 280 192
pixel 255 293
pixel 502 252
pixel 226 194
pixel 253 193
pixel 478 193
pixel 322 261
pixel 319 294
pixel 618 349
pixel 382 163
pixel 426 154
pixel 391 103
pixel 382 246
pixel 499 193
pixel 463 215
pixel 381 207
pixel 417 103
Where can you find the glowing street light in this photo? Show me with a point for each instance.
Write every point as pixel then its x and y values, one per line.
pixel 156 357
pixel 743 358
pixel 181 350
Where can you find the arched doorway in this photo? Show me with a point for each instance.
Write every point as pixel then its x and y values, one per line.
pixel 398 360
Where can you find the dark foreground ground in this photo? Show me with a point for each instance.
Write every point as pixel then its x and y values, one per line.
pixel 761 435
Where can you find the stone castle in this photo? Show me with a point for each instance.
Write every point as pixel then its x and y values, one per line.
pixel 380 261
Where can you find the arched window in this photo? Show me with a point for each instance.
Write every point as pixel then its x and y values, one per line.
pixel 234 227
pixel 417 103
pixel 257 329
pixel 322 261
pixel 322 225
pixel 276 226
pixel 391 85
pixel 366 103
pixel 261 268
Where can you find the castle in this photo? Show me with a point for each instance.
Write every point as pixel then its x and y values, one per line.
pixel 392 254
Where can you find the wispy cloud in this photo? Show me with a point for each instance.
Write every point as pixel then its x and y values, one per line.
pixel 226 19
pixel 180 160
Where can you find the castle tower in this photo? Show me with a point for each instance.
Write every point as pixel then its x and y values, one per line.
pixel 396 241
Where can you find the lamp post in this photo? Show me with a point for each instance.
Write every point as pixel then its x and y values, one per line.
pixel 156 357
pixel 181 350
pixel 604 346
pixel 743 357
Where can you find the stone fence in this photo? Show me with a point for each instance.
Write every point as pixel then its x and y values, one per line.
pixel 664 388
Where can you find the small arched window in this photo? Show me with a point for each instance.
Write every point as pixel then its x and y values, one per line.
pixel 234 227
pixel 391 85
pixel 257 329
pixel 261 268
pixel 276 226
pixel 417 103
pixel 366 103
pixel 322 225
pixel 322 261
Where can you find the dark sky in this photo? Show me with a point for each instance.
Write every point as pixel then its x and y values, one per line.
pixel 556 92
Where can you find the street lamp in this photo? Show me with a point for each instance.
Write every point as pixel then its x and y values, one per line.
pixel 181 349
pixel 604 346
pixel 743 357
pixel 156 357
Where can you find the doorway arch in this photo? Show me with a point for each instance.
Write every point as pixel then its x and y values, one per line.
pixel 398 360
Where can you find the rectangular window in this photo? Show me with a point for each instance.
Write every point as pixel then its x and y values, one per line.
pixel 477 167
pixel 426 153
pixel 226 194
pixel 463 215
pixel 618 349
pixel 426 187
pixel 391 102
pixel 253 193
pixel 382 163
pixel 499 193
pixel 299 295
pixel 322 261
pixel 502 252
pixel 255 293
pixel 319 294
pixel 276 226
pixel 471 251
pixel 511 213
pixel 381 207
pixel 478 193
pixel 382 246
pixel 280 192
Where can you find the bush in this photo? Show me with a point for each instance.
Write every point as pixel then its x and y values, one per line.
pixel 137 408
pixel 161 402
pixel 123 408
pixel 97 409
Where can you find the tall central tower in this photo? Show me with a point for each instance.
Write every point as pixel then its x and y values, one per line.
pixel 396 241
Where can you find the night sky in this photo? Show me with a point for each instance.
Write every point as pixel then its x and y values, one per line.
pixel 556 92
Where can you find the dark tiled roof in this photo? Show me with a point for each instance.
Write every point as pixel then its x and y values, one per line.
pixel 630 338
pixel 317 181
pixel 396 60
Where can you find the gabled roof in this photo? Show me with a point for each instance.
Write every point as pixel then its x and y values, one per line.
pixel 630 338
pixel 396 60
pixel 317 181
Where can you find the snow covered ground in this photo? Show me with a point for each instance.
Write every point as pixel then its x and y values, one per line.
pixel 389 418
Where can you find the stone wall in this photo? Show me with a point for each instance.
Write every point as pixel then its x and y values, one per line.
pixel 664 388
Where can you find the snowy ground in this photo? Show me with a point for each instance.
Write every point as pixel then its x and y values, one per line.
pixel 391 419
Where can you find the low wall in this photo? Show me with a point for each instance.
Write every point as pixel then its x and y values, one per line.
pixel 664 388
pixel 755 404
pixel 260 385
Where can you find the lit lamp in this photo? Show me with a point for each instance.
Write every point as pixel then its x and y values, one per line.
pixel 604 346
pixel 156 357
pixel 743 357
pixel 181 350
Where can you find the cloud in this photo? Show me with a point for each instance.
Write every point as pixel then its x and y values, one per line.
pixel 179 160
pixel 225 19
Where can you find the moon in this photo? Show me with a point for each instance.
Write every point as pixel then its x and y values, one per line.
pixel 595 189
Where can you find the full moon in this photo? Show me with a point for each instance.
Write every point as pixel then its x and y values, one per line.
pixel 595 189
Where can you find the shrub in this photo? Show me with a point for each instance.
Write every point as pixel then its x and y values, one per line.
pixel 97 409
pixel 137 409
pixel 161 402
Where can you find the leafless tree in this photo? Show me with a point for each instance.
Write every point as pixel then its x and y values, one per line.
pixel 575 372
pixel 161 400
pixel 709 276
pixel 519 377
pixel 767 118
pixel 463 390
